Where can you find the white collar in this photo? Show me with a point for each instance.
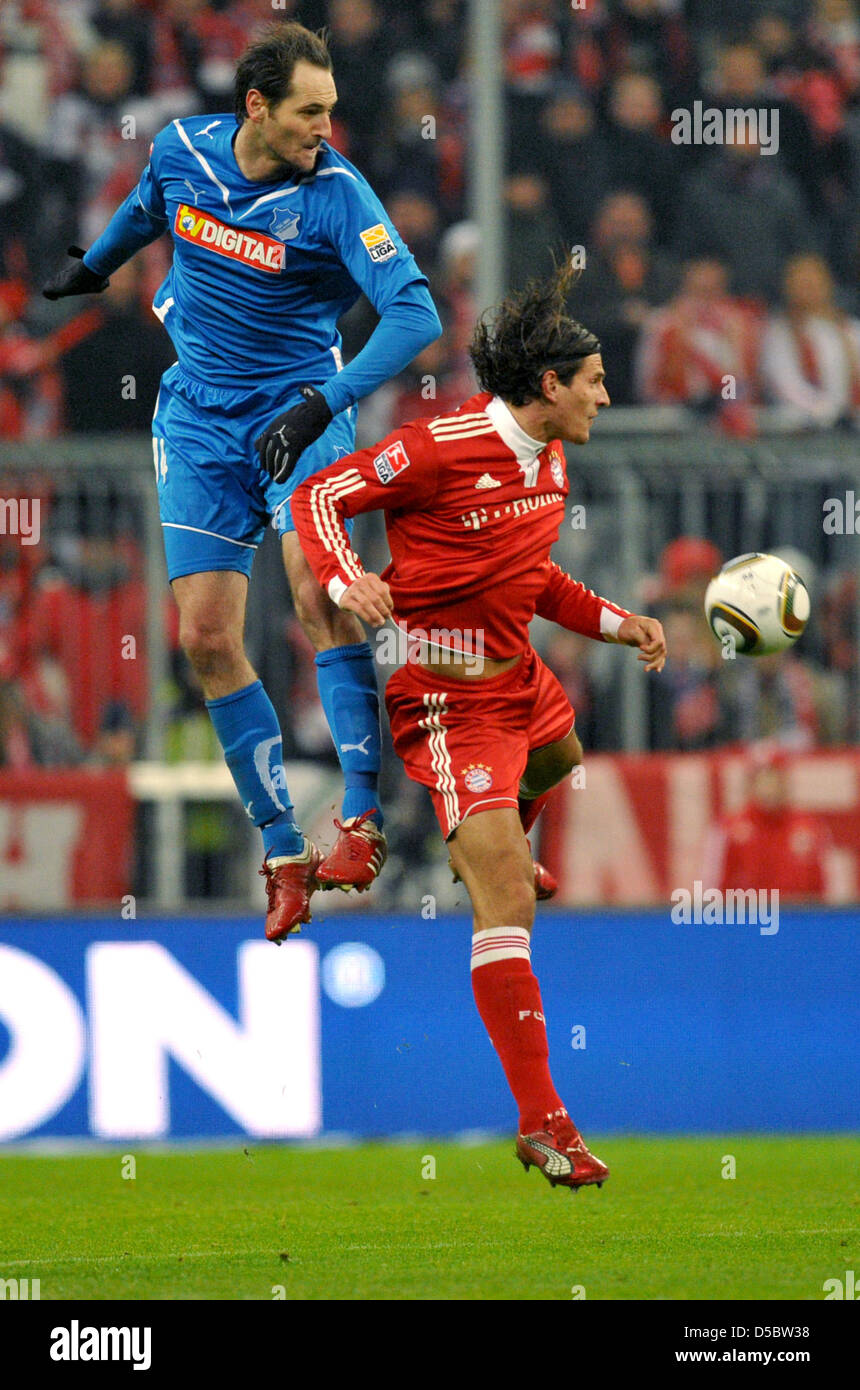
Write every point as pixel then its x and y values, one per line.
pixel 520 443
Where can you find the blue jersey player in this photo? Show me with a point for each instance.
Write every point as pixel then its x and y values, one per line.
pixel 274 234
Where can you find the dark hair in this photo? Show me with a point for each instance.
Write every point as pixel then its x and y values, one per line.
pixel 269 63
pixel 526 335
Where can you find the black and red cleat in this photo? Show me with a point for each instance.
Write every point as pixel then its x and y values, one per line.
pixel 559 1151
pixel 546 886
pixel 357 856
pixel 290 881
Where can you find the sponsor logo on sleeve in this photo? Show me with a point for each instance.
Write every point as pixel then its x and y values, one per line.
pixel 378 243
pixel 391 461
pixel 252 248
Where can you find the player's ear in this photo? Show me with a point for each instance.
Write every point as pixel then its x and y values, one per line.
pixel 549 384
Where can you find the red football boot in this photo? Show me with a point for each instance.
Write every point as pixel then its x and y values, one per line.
pixel 559 1151
pixel 545 885
pixel 290 881
pixel 357 857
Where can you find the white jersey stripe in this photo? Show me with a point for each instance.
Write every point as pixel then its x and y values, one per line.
pixel 204 164
pixel 440 759
pixel 325 517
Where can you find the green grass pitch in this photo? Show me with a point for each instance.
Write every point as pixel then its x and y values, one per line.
pixel 369 1222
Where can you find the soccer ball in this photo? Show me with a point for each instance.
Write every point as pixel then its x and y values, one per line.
pixel 759 602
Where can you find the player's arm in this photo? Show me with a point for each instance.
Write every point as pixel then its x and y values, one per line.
pixel 139 220
pixel 567 602
pixel 398 474
pixel 360 231
pixel 381 264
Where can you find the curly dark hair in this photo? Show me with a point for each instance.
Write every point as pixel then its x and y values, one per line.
pixel 268 64
pixel 526 335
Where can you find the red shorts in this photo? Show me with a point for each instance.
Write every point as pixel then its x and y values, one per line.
pixel 467 740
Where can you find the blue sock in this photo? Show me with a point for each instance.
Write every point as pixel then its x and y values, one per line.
pixel 346 677
pixel 248 729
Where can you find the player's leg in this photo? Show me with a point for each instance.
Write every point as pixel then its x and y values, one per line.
pixel 469 746
pixel 211 626
pixel 346 678
pixel 210 539
pixel 492 857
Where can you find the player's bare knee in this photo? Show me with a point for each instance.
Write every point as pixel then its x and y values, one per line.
pixel 211 649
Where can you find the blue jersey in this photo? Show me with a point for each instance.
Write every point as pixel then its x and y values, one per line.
pixel 262 271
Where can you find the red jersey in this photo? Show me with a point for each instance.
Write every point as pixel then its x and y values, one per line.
pixel 473 506
pixel 756 848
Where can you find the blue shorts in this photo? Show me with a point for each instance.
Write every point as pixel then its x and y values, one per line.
pixel 215 499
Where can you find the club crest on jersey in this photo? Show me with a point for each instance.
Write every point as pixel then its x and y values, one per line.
pixel 377 242
pixel 391 461
pixel 252 248
pixel 478 777
pixel 285 224
pixel 556 468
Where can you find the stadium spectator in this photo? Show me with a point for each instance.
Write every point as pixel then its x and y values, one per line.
pixel 88 615
pixel 30 739
pixel 458 253
pixel 741 82
pixel 196 48
pixel 121 21
pixel 649 36
pixel 30 386
pixel 835 28
pixel 532 231
pixel 409 140
pixel 624 279
pixel 701 350
pixel 123 332
pixel 810 357
pixel 361 50
pixel 739 188
pixel 767 844
pixel 641 159
pixel 789 697
pixel 574 159
pixel 688 708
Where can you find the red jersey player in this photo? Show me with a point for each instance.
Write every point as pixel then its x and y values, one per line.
pixel 473 502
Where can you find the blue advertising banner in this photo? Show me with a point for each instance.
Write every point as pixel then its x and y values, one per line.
pixel 197 1027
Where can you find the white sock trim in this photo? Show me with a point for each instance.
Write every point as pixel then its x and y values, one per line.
pixel 500 943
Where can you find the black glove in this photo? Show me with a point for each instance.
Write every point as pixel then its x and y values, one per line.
pixel 289 434
pixel 75 279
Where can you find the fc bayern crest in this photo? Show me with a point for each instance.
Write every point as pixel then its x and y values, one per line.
pixel 557 470
pixel 285 224
pixel 478 777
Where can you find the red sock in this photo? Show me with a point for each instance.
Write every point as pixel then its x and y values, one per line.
pixel 530 809
pixel 508 998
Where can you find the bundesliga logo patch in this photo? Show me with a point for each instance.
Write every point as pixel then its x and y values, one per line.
pixel 478 777
pixel 377 242
pixel 391 461
pixel 252 248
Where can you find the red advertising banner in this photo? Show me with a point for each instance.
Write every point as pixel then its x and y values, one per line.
pixel 65 838
pixel 634 828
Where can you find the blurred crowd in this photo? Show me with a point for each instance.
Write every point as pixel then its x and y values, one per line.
pixel 718 276
pixel 722 277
